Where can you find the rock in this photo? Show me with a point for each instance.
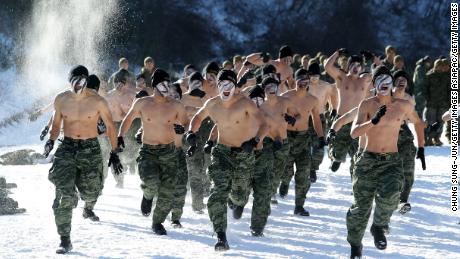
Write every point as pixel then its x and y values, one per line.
pixel 8 206
pixel 21 157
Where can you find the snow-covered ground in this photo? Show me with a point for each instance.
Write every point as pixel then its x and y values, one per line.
pixel 430 230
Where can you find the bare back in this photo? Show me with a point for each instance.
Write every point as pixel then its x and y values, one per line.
pixel 323 91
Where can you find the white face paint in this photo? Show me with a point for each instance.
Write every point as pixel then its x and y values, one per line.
pixel 355 68
pixel 383 84
pixel 275 76
pixel 164 88
pixel 188 72
pixel 303 82
pixel 401 82
pixel 258 101
pixel 226 89
pixel 78 83
pixel 271 89
pixel 314 79
pixel 195 84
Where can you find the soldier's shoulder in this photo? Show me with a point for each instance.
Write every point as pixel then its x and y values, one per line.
pixel 62 95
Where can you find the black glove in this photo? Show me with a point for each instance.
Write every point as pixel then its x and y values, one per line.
pixel 421 156
pixel 191 151
pixel 179 129
pixel 322 142
pixel 120 143
pixel 190 137
pixel 244 78
pixel 277 145
pixel 114 161
pixel 208 146
pixel 265 57
pixel 333 114
pixel 101 128
pixel 139 137
pixel 435 128
pixel 379 114
pixel 367 54
pixel 289 119
pixel 141 94
pixel 49 145
pixel 331 134
pixel 249 145
pixel 44 133
pixel 343 52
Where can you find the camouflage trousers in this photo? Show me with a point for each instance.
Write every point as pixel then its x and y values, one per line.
pixel 343 144
pixel 197 166
pixel 178 201
pixel 279 165
pixel 104 142
pixel 230 172
pixel 432 115
pixel 375 176
pixel 76 164
pixel 299 143
pixel 260 184
pixel 158 167
pixel 129 154
pixel 316 153
pixel 407 153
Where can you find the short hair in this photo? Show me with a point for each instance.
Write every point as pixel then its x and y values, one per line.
pixel 389 48
pixel 122 61
pixel 322 58
pixel 148 60
pixel 437 64
pixel 139 76
pixel 398 58
pixel 305 57
pixel 237 58
pixel 227 63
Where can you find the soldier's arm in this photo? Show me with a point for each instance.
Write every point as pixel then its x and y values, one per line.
pixel 361 123
pixel 132 114
pixel 56 119
pixel 258 115
pixel 106 116
pixel 368 84
pixel 201 114
pixel 334 72
pixel 418 124
pixel 333 97
pixel 317 125
pixel 214 134
pixel 344 119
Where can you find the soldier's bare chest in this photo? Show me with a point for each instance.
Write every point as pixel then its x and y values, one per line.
pixel 79 110
pixel 354 86
pixel 233 115
pixel 159 113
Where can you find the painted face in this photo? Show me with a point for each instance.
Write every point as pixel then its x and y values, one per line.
pixel 258 101
pixel 355 68
pixel 195 84
pixel 212 78
pixel 164 88
pixel 303 82
pixel 400 82
pixel 276 76
pixel 174 94
pixel 188 72
pixel 226 89
pixel 314 79
pixel 78 83
pixel 383 84
pixel 271 89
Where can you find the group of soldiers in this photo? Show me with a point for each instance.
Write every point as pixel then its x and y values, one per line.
pixel 241 128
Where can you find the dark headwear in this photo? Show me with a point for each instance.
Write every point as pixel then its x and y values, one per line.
pixel 285 51
pixel 93 82
pixel 121 76
pixel 159 75
pixel 256 91
pixel 380 70
pixel 269 80
pixel 268 69
pixel 176 87
pixel 78 70
pixel 211 67
pixel 353 59
pixel 189 66
pixel 300 74
pixel 401 73
pixel 139 76
pixel 195 76
pixel 313 69
pixel 227 75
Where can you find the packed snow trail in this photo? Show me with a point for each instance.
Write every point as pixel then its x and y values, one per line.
pixel 430 230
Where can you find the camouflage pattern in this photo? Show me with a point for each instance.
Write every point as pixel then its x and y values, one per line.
pixel 8 206
pixel 419 77
pixel 129 154
pixel 197 165
pixel 407 153
pixel 316 153
pixel 230 172
pixel 375 176
pixel 77 163
pixel 354 159
pixel 343 144
pixel 279 165
pixel 181 187
pixel 158 167
pixel 432 115
pixel 260 184
pixel 299 142
pixel 436 90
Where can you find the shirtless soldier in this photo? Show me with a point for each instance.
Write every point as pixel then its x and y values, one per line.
pixel 308 106
pixel 378 172
pixel 325 93
pixel 240 128
pixel 78 160
pixel 352 89
pixel 161 118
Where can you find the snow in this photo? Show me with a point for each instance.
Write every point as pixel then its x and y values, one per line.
pixel 430 230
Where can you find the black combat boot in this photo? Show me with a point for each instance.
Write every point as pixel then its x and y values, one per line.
pixel 313 177
pixel 283 190
pixel 159 229
pixel 335 166
pixel 222 244
pixel 238 212
pixel 356 252
pixel 65 246
pixel 380 241
pixel 176 224
pixel 146 206
pixel 299 210
pixel 87 213
pixel 255 232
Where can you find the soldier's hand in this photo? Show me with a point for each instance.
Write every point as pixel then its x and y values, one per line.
pixel 114 161
pixel 265 57
pixel 208 146
pixel 435 128
pixel 331 134
pixel 139 137
pixel 120 143
pixel 249 145
pixel 179 129
pixel 342 52
pixel 333 114
pixel 421 156
pixel 191 151
pixel 379 114
pixel 322 142
pixel 101 128
pixel 48 147
pixel 44 132
pixel 289 119
pixel 141 94
pixel 190 137
pixel 277 145
pixel 244 78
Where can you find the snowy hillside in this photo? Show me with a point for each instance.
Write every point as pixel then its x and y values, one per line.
pixel 430 230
